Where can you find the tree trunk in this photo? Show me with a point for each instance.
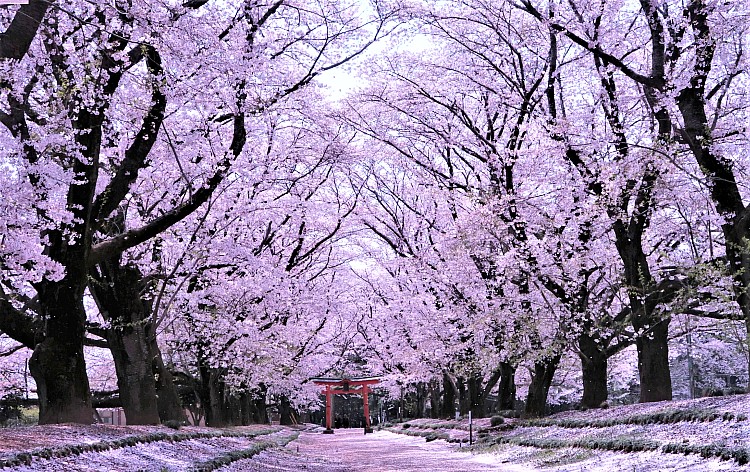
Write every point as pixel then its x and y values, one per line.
pixel 287 412
pixel 739 262
pixel 168 400
pixel 421 400
pixel 463 398
pixel 213 397
pixel 506 394
pixel 135 380
pixel 246 409
pixel 59 370
pixel 434 399
pixel 474 396
pixel 541 380
pixel 235 410
pixel 219 405
pixel 594 367
pixel 449 398
pixel 653 364
pixel 652 328
pixel 57 364
pixel 146 387
pixel 259 414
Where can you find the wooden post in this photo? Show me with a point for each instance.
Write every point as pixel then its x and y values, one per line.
pixel 365 395
pixel 329 411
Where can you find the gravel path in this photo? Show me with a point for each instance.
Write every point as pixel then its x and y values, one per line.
pixel 348 450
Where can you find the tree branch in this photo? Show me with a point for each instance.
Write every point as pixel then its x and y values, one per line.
pixel 134 237
pixel 16 325
pixel 16 40
pixel 136 155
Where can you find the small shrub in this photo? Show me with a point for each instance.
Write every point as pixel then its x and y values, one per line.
pixel 739 454
pixel 496 420
pixel 10 410
pixel 742 456
pixel 174 424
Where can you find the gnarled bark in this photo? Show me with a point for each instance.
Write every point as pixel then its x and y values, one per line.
pixel 146 387
pixel 449 398
pixel 57 364
pixel 594 367
pixel 506 393
pixel 541 380
pixel 653 364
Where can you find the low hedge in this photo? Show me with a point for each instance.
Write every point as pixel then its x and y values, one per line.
pixel 739 454
pixel 428 435
pixel 661 417
pixel 621 444
pixel 240 454
pixel 25 458
pixel 443 425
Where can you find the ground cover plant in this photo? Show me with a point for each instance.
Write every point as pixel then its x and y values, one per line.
pixel 228 457
pixel 25 458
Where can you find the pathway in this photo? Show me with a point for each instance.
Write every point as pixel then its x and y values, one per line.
pixel 348 450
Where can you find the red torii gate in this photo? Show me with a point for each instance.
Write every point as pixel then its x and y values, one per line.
pixel 359 386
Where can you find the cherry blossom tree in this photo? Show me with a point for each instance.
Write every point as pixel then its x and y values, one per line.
pixel 523 180
pixel 86 112
pixel 674 68
pixel 251 310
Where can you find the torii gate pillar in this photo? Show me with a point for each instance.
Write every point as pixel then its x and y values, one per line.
pixel 329 410
pixel 365 395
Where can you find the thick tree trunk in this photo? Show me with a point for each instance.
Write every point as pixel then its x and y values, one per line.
pixel 653 363
pixel 474 396
pixel 213 397
pixel 421 400
pixel 135 380
pixel 651 327
pixel 146 386
pixel 219 406
pixel 739 262
pixel 57 364
pixel 506 394
pixel 594 367
pixel 287 412
pixel 235 410
pixel 167 399
pixel 449 398
pixel 541 380
pixel 246 409
pixel 59 371
pixel 434 399
pixel 259 414
pixel 463 397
